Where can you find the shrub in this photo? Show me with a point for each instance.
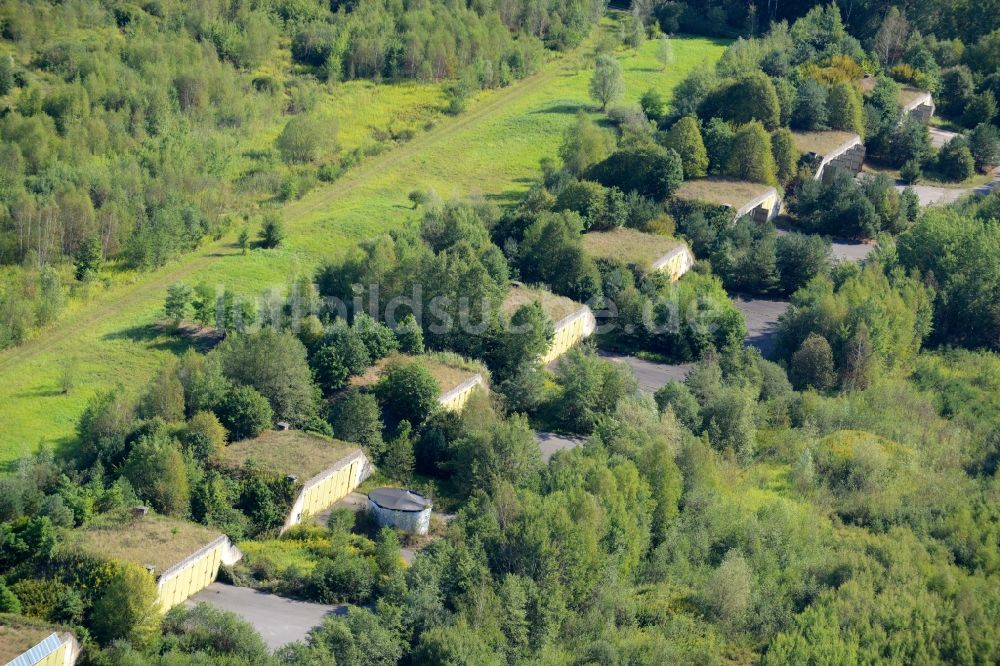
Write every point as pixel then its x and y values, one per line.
pixel 345 577
pixel 812 364
pixel 911 172
pixel 984 142
pixel 156 470
pixel 272 231
pixel 652 171
pixel 981 109
pixel 204 629
pixel 127 608
pixel 408 392
pixel 955 161
pixel 245 413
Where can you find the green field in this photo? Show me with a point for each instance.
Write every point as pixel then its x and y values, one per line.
pixel 492 150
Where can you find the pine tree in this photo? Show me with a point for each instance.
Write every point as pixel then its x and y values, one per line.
pixel 88 259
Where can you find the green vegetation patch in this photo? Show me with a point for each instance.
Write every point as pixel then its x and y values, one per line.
pixel 722 191
pixel 555 306
pixel 449 370
pixel 149 540
pixel 821 143
pixel 628 245
pixel 289 452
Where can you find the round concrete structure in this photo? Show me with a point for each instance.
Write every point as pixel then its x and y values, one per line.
pixel 400 508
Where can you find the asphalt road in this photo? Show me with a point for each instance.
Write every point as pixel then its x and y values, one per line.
pixel 279 620
pixel 551 443
pixel 848 250
pixel 761 315
pixel 842 249
pixel 929 194
pixel 651 376
pixel 939 137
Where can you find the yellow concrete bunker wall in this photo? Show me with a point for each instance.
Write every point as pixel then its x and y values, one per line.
pixel 567 335
pixel 194 576
pixel 677 265
pixel 330 490
pixel 58 657
pixel 456 402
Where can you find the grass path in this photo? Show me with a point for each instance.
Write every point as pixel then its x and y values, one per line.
pixel 492 150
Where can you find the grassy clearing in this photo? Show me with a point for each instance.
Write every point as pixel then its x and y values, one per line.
pixel 733 193
pixel 555 306
pixel 492 151
pixel 821 143
pixel 628 245
pixel 449 370
pixel 154 540
pixel 288 452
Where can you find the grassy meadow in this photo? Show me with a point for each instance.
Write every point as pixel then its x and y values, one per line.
pixel 492 150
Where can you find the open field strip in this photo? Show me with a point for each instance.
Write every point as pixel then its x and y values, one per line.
pixel 492 150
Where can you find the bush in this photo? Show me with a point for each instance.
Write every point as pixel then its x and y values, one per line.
pixel 750 98
pixel 800 258
pixel 410 336
pixel 377 338
pixel 984 142
pixel 810 110
pixel 750 156
pixel 911 172
pixel 652 171
pixel 955 161
pixel 156 470
pixel 303 137
pixel 245 413
pixel 204 629
pixel 812 364
pixel 127 608
pixel 981 109
pixel 785 155
pixel 678 397
pixel 408 392
pixel 272 232
pixel 345 577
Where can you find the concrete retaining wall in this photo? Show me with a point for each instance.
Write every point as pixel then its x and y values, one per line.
pixel 195 572
pixel 329 487
pixel 763 208
pixel 675 263
pixel 456 398
pixel 921 108
pixel 569 331
pixel 850 157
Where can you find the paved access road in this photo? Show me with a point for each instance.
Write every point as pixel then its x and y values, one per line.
pixel 651 376
pixel 279 620
pixel 930 194
pixel 939 137
pixel 761 315
pixel 843 249
pixel 849 250
pixel 551 443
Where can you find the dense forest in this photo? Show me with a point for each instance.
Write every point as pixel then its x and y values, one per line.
pixel 835 502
